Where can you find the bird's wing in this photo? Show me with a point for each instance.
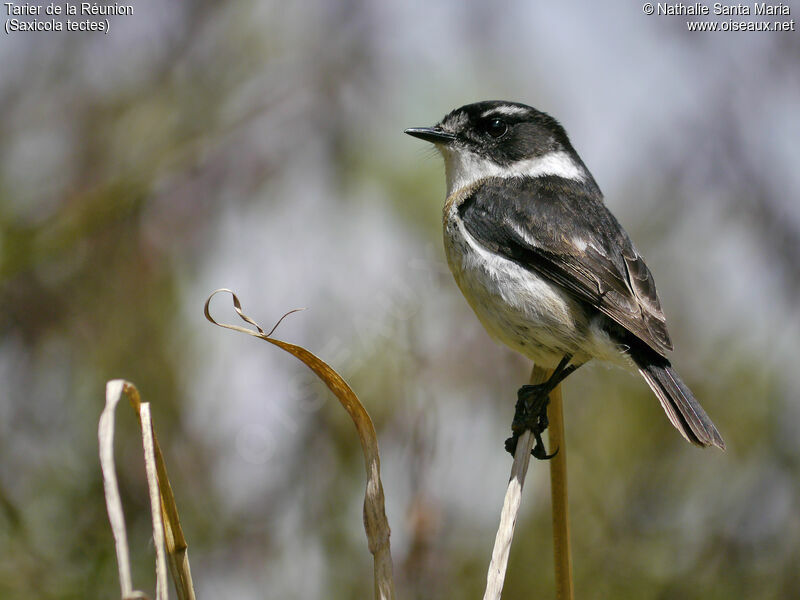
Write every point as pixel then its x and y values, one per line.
pixel 563 231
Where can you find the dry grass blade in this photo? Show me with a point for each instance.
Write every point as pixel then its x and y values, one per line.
pixel 105 435
pixel 375 522
pixel 176 546
pixel 508 516
pixel 155 500
pixel 167 532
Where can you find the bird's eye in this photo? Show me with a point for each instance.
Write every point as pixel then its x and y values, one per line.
pixel 496 128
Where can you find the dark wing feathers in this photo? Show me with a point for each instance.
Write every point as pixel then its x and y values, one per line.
pixel 644 289
pixel 562 230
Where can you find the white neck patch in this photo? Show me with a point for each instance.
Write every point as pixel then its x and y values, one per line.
pixel 464 168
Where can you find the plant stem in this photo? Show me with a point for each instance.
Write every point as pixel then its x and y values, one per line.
pixel 511 503
pixel 558 493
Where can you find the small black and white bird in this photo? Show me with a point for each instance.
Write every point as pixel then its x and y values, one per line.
pixel 544 264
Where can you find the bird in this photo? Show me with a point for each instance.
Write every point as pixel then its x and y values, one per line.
pixel 544 264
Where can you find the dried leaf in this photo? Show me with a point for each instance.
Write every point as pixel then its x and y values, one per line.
pixel 155 500
pixel 176 546
pixel 167 532
pixel 105 435
pixel 375 522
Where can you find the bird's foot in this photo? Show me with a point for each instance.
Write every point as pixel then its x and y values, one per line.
pixel 531 410
pixel 531 414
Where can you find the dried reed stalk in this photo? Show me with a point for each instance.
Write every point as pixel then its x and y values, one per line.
pixel 508 516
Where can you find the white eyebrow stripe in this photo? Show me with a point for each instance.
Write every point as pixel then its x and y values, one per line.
pixel 508 111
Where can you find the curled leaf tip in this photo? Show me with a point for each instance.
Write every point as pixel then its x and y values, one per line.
pixel 274 327
pixel 237 306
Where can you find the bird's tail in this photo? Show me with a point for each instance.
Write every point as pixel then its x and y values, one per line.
pixel 676 398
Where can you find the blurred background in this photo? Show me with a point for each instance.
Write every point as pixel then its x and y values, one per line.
pixel 258 145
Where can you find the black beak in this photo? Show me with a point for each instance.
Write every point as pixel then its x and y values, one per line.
pixel 436 135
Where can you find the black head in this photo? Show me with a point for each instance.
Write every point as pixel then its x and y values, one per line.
pixel 502 139
pixel 503 132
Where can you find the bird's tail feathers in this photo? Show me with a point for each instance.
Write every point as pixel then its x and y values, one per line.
pixel 683 410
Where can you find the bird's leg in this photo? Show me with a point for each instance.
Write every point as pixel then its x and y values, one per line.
pixel 531 410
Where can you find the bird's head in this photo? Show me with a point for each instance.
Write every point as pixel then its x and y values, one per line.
pixel 501 139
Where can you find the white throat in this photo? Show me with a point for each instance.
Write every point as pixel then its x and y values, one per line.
pixel 464 168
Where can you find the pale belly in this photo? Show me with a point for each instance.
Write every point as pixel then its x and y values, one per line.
pixel 521 309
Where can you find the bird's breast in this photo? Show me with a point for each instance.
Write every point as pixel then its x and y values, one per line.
pixel 517 307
